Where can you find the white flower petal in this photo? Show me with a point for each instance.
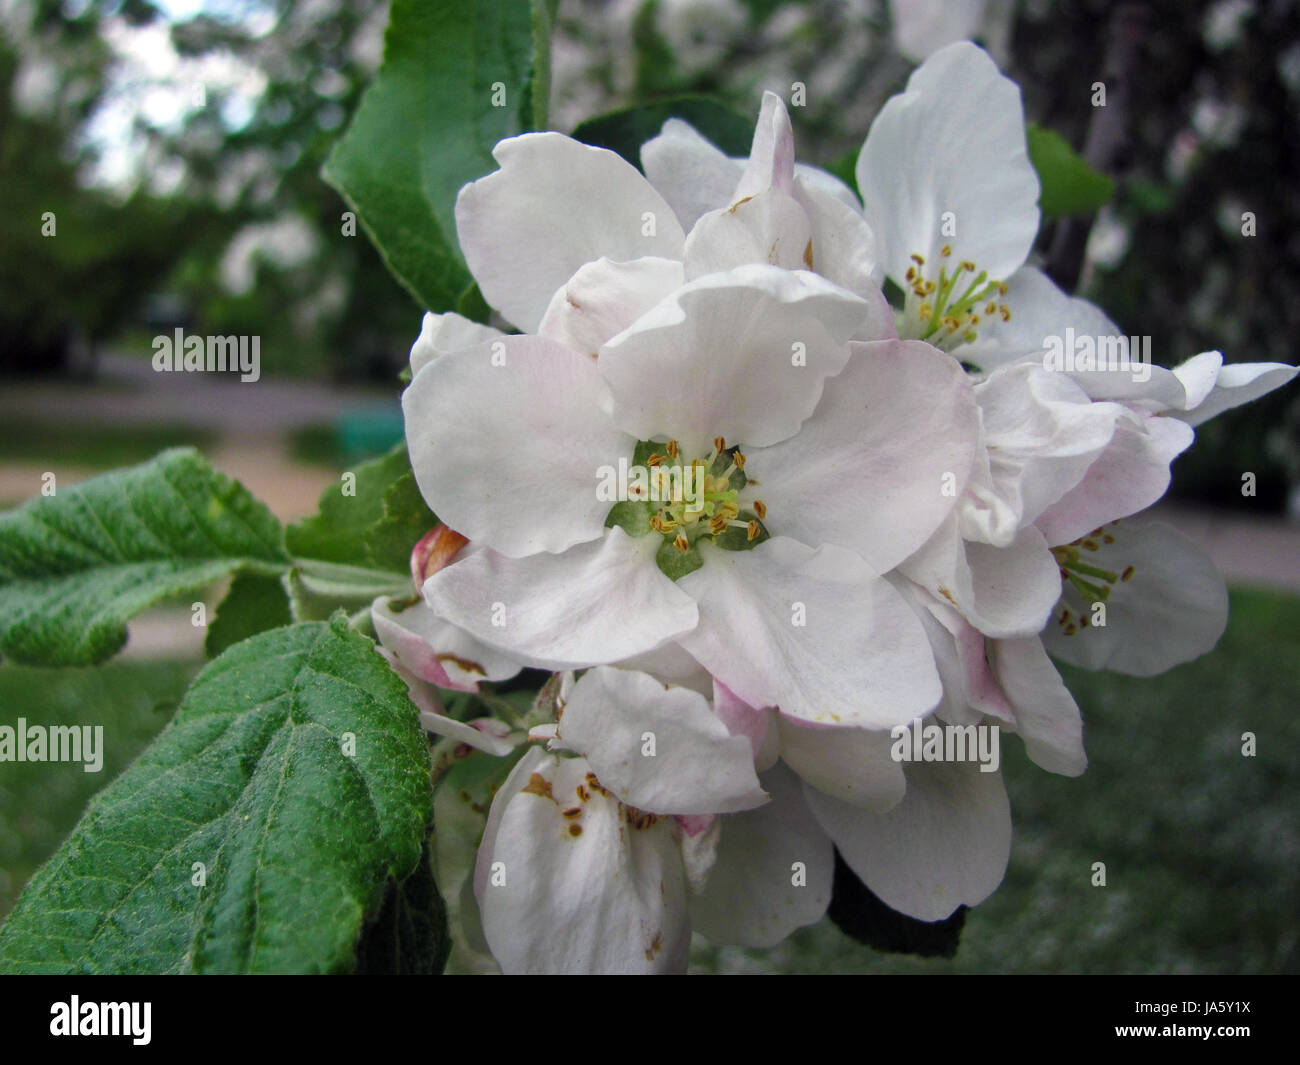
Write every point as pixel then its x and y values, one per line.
pixel 1238 383
pixel 850 764
pixel 1039 311
pixel 1198 376
pixel 599 602
pixel 771 156
pixel 441 333
pixel 844 248
pixel 1046 715
pixel 695 765
pixel 772 874
pixel 1002 591
pixel 768 227
pixel 945 845
pixel 689 171
pixel 554 205
pixel 721 356
pixel 603 298
pixel 954 141
pixel 816 633
pixel 1173 608
pixel 1042 433
pixel 506 440
pixel 868 470
pixel 608 898
pixel 1129 475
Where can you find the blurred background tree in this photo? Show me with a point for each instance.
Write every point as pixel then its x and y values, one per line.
pixel 179 144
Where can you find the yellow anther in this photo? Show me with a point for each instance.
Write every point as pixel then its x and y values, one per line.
pixel 990 308
pixel 719 444
pixel 920 261
pixel 966 264
pixel 760 508
pixel 946 250
pixel 655 459
pixel 753 529
pixel 739 459
pixel 681 543
pixel 672 449
pixel 1005 312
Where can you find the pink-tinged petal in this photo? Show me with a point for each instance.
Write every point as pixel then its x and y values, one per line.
pixel 441 333
pixel 1172 608
pixel 554 205
pixel 436 651
pixel 602 891
pixel 945 845
pixel 689 171
pixel 816 633
pixel 485 734
pixel 741 355
pixel 954 141
pixel 603 298
pixel 507 441
pixel 969 687
pixel 771 157
pixel 772 874
pixel 1240 383
pixel 849 764
pixel 1002 591
pixel 756 725
pixel 1129 475
pixel 662 750
pixel 1046 716
pixel 433 551
pixel 599 602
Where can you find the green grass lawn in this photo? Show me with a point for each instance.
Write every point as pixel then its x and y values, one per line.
pixel 1201 845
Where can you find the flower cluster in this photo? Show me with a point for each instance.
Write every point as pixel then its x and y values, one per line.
pixel 899 509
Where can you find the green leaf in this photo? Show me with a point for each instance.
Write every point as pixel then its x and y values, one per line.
pixel 1070 185
pixel 845 168
pixel 318 589
pixel 296 837
pixel 370 528
pixel 74 567
pixel 625 131
pixel 427 126
pixel 253 604
pixel 408 937
pixel 406 518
